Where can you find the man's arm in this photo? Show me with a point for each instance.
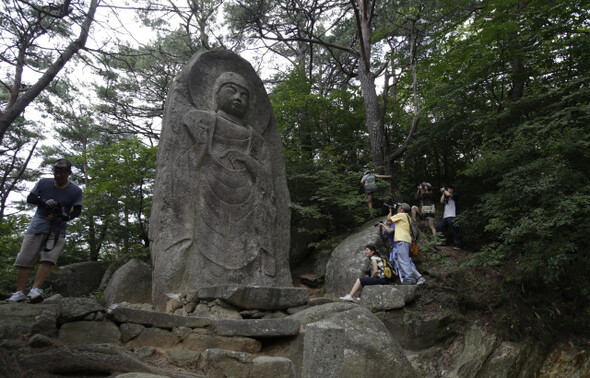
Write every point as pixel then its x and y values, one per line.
pixel 383 176
pixel 34 199
pixel 75 212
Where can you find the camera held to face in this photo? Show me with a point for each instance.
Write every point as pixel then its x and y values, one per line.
pixel 392 207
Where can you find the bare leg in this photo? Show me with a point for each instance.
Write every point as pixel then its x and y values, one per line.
pixel 431 225
pixel 370 200
pixel 22 276
pixel 355 288
pixel 42 273
pixel 414 211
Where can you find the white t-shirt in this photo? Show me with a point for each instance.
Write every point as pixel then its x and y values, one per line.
pixel 450 208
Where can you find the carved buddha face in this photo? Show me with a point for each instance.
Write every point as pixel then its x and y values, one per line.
pixel 233 99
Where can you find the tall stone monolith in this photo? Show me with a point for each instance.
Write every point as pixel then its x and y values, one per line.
pixel 220 212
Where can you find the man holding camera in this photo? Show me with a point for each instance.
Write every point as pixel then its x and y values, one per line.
pixel 449 199
pixel 58 201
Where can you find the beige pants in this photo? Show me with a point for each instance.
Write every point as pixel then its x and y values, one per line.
pixel 33 246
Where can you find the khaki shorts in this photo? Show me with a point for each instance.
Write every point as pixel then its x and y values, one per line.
pixel 33 245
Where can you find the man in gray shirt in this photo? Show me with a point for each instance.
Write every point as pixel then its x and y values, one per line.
pixel 58 201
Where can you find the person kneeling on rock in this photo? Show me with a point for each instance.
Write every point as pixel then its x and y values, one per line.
pixel 375 274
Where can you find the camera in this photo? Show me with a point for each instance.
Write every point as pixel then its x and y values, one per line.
pixel 57 212
pixel 392 207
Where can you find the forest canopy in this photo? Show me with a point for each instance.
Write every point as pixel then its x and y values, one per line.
pixel 490 96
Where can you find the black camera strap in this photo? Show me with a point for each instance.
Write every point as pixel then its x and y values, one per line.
pixel 55 236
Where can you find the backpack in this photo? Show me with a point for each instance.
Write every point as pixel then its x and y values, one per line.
pixel 370 182
pixel 414 250
pixel 388 270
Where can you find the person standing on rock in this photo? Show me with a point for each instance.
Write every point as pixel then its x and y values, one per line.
pixel 403 240
pixel 449 199
pixel 58 201
pixel 376 276
pixel 370 185
pixel 388 229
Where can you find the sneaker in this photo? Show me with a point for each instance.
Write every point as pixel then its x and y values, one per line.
pixel 421 281
pixel 35 296
pixel 19 296
pixel 347 297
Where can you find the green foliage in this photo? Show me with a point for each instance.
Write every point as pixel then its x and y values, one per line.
pixel 324 155
pixel 12 229
pixel 117 200
pixel 539 209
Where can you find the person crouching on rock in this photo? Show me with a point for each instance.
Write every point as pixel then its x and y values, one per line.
pixel 375 274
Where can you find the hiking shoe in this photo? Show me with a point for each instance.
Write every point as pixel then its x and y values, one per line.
pixel 347 297
pixel 421 281
pixel 35 296
pixel 19 296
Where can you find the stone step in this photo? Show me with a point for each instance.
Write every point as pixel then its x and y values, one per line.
pixel 256 297
pixel 256 328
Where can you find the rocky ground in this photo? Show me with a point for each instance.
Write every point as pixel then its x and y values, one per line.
pixel 486 296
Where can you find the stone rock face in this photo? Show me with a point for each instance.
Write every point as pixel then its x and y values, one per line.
pixel 261 298
pixel 156 319
pixel 323 351
pixel 367 343
pixel 272 367
pixel 220 211
pixel 19 318
pixel 78 279
pixel 85 332
pixel 417 332
pixel 348 262
pixel 478 346
pixel 259 328
pixel 224 363
pixel 120 290
pixel 387 297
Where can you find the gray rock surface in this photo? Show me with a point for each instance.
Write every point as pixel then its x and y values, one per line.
pixel 272 367
pixel 323 350
pixel 387 297
pixel 71 309
pixel 156 319
pixel 256 297
pixel 224 363
pixel 220 211
pixel 18 318
pixel 140 291
pixel 477 347
pixel 85 332
pixel 367 342
pixel 76 280
pixel 348 262
pixel 258 328
pixel 415 332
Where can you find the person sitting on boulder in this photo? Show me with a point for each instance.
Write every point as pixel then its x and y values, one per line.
pixel 375 275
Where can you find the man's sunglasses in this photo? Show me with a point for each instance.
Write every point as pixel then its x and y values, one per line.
pixel 58 168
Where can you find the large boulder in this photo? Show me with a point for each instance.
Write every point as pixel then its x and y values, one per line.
pixel 348 261
pixel 131 283
pixel 76 280
pixel 369 348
